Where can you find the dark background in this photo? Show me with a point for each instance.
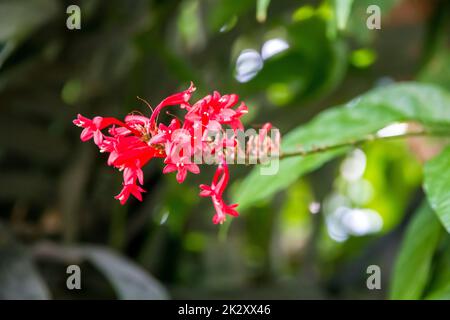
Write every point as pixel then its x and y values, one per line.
pixel 56 193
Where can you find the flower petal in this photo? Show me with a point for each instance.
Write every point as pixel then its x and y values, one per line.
pixel 170 168
pixel 192 167
pixel 181 175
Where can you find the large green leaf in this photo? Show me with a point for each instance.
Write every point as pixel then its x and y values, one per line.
pixel 364 115
pixel 412 266
pixel 437 185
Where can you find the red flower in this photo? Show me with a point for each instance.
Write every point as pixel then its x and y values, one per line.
pixel 180 98
pixel 183 165
pixel 92 128
pixel 215 191
pixel 132 143
pixel 128 189
pixel 164 132
pixel 218 109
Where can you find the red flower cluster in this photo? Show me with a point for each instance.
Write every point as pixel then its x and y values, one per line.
pixel 136 140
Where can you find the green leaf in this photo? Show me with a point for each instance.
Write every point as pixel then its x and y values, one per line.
pixel 437 185
pixel 439 287
pixel 412 267
pixel 442 294
pixel 257 187
pixel 261 10
pixel 364 115
pixel 342 9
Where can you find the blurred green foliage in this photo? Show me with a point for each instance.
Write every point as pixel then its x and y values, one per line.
pixel 310 231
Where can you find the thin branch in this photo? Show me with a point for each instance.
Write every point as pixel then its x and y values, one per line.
pixel 251 160
pixel 368 138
